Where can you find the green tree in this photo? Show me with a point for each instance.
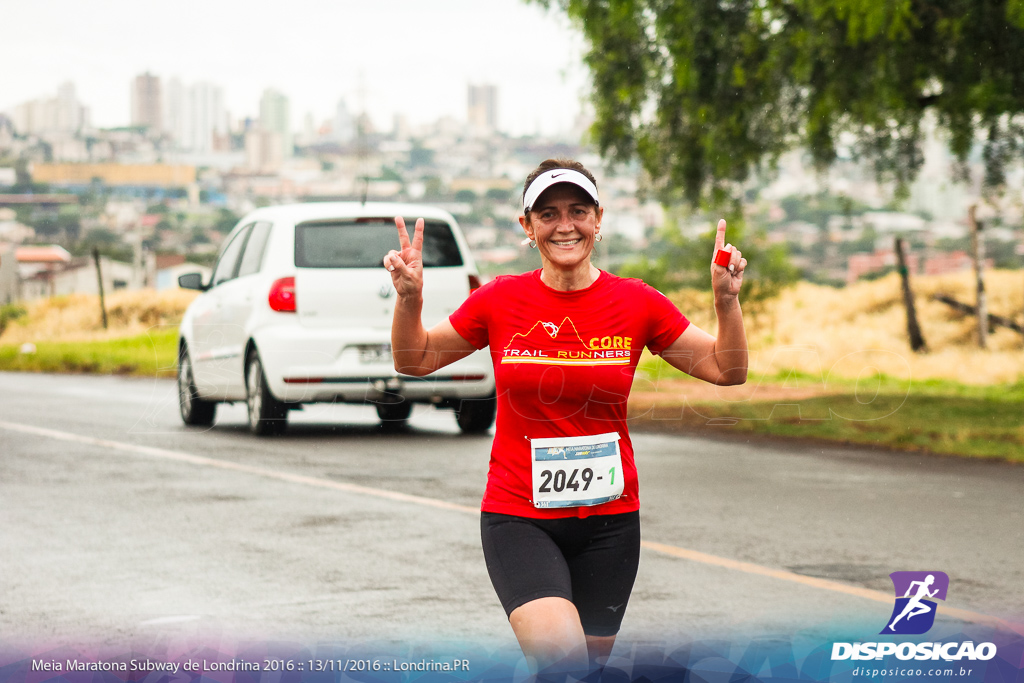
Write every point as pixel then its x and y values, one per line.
pixel 198 236
pixel 820 208
pixel 107 242
pixel 465 196
pixel 225 221
pixel 703 92
pixel 23 179
pixel 499 195
pixel 434 188
pixel 420 156
pixel 63 225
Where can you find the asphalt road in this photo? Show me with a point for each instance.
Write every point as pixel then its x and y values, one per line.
pixel 117 522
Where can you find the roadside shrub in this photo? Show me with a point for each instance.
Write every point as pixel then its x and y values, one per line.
pixel 10 313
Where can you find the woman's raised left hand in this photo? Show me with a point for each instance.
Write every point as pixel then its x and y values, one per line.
pixel 726 280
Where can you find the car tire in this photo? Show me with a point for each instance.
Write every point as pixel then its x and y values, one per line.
pixel 394 415
pixel 476 415
pixel 267 415
pixel 195 411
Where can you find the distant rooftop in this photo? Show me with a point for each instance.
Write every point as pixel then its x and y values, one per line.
pixel 50 254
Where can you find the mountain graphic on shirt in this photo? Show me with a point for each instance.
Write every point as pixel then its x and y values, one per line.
pixel 549 344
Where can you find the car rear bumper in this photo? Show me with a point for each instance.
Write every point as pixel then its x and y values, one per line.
pixel 305 366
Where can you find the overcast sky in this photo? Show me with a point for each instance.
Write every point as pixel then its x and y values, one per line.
pixel 413 56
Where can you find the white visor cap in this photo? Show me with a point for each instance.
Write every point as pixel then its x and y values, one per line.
pixel 553 177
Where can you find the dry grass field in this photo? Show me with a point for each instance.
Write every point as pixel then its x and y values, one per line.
pixel 77 317
pixel 861 330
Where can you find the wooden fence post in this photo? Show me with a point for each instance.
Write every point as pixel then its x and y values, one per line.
pixel 99 278
pixel 978 256
pixel 913 329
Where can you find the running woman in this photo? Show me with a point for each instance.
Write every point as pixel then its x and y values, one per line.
pixel 560 521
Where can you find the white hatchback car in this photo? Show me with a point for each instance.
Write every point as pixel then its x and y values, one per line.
pixel 299 308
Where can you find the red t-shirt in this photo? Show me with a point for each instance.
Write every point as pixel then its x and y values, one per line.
pixel 563 366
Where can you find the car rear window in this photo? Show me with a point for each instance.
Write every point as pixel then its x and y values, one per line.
pixel 363 243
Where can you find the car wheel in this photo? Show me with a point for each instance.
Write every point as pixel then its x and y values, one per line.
pixel 394 415
pixel 476 415
pixel 194 410
pixel 267 415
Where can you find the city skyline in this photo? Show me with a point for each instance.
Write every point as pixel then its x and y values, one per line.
pixel 394 57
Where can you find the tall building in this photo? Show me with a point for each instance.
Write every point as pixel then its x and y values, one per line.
pixel 274 118
pixel 263 151
pixel 205 120
pixel 401 129
pixel 344 128
pixel 194 115
pixel 70 113
pixel 147 102
pixel 175 112
pixel 60 114
pixel 482 112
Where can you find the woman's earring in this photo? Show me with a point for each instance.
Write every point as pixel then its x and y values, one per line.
pixel 598 237
pixel 532 242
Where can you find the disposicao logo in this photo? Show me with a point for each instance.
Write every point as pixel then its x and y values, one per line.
pixel 914 612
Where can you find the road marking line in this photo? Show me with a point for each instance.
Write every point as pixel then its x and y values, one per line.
pixel 237 467
pixel 815 582
pixel 670 550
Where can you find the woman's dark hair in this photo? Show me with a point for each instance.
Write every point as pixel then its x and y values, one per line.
pixel 549 164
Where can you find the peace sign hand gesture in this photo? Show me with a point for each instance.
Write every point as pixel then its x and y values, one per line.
pixel 726 280
pixel 406 267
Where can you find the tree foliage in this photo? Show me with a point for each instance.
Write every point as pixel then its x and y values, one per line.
pixel 702 92
pixel 225 221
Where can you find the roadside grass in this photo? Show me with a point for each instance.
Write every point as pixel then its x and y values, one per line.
pixel 843 352
pixel 933 415
pixel 152 354
pixel 877 382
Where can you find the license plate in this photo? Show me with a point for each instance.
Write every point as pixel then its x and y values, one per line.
pixel 374 353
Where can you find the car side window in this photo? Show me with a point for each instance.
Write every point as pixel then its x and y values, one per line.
pixel 252 259
pixel 227 264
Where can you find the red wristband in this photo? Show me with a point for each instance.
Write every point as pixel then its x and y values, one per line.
pixel 722 258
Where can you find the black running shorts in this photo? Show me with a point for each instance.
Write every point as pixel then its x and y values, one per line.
pixel 591 562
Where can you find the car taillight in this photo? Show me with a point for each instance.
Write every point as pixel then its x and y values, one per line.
pixel 282 295
pixel 474 283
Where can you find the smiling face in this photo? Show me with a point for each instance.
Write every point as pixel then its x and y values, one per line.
pixel 564 221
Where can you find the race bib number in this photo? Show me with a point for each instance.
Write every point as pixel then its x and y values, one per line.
pixel 576 471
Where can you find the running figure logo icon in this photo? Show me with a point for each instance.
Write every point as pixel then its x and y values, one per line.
pixel 914 613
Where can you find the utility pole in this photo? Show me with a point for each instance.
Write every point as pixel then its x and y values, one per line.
pixel 913 329
pixel 978 256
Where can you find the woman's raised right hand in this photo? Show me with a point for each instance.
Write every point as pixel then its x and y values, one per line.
pixel 406 266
